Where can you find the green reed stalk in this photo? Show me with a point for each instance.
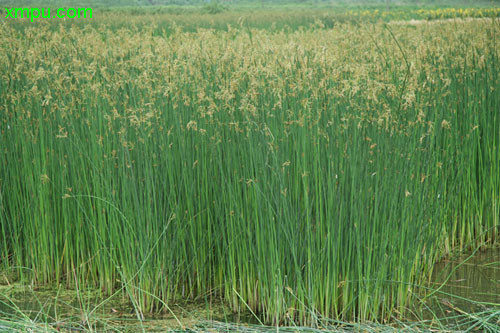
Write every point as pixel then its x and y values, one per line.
pixel 303 175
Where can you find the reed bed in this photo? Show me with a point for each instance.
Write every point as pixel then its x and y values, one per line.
pixel 299 175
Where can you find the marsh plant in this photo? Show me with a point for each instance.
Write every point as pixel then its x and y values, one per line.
pixel 306 174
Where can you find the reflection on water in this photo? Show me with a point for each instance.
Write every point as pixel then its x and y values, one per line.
pixel 466 292
pixel 475 278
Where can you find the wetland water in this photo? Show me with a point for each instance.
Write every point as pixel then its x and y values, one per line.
pixel 464 285
pixel 474 281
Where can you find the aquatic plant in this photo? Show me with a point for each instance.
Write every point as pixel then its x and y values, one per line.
pixel 307 174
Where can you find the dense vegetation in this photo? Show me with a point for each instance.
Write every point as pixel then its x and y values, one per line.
pixel 301 173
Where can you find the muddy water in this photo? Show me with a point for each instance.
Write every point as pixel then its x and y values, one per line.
pixel 464 293
pixel 473 280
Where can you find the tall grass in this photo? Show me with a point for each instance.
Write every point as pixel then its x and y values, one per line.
pixel 307 174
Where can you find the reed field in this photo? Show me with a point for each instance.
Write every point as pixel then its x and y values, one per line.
pixel 299 174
